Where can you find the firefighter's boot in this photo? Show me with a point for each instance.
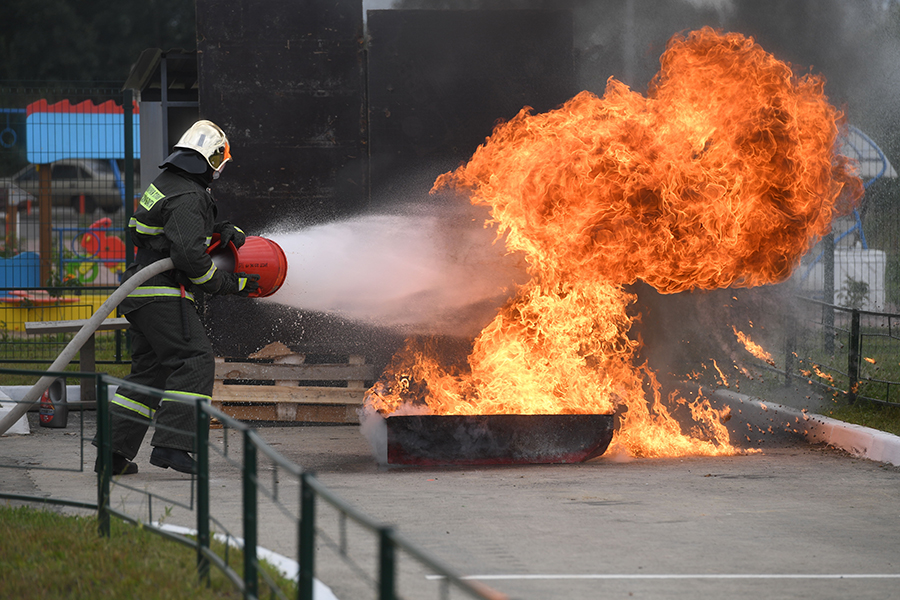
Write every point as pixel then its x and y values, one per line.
pixel 120 465
pixel 179 460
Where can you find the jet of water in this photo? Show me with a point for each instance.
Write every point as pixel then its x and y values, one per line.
pixel 434 270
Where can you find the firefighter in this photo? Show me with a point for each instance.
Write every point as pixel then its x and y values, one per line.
pixel 176 218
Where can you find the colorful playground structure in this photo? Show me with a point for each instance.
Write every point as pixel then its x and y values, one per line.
pixel 95 256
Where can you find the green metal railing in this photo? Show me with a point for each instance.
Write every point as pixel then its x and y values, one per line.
pixel 848 352
pixel 390 544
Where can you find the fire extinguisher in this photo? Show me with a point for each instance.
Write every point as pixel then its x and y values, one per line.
pixel 54 411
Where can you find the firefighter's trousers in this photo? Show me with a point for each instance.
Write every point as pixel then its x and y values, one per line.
pixel 170 352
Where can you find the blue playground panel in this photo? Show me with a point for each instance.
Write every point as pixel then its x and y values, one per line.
pixel 20 272
pixel 83 130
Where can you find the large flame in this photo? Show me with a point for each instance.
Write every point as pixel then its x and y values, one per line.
pixel 724 175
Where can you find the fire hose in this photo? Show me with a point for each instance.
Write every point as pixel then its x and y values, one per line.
pixel 83 335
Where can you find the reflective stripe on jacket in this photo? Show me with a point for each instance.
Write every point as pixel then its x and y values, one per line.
pixel 175 218
pixel 159 291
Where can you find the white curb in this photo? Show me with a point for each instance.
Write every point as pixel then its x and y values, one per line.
pixel 288 567
pixel 860 441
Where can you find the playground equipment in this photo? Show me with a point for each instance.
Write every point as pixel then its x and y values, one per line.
pixel 854 260
pixel 65 357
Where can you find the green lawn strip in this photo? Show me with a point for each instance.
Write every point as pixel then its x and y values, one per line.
pixel 115 370
pixel 48 555
pixel 884 417
pixel 868 414
pixel 43 350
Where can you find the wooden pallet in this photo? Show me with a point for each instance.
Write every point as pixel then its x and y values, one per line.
pixel 267 389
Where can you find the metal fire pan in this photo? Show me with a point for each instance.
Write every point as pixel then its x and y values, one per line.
pixel 429 440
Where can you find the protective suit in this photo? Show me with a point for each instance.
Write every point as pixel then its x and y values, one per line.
pixel 176 218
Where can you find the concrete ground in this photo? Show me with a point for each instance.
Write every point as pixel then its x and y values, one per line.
pixel 794 521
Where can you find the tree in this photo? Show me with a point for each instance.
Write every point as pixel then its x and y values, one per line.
pixel 51 41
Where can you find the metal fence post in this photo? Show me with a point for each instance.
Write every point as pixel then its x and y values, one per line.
pixel 853 357
pixel 828 283
pixel 386 564
pixel 250 576
pixel 128 201
pixel 307 542
pixel 790 346
pixel 202 490
pixel 104 456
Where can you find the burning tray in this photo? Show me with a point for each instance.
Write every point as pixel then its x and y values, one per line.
pixel 496 439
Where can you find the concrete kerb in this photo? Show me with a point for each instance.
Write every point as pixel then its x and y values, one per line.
pixel 776 419
pixel 288 567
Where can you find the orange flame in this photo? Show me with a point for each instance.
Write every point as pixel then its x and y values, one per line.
pixel 752 347
pixel 724 175
pixel 822 374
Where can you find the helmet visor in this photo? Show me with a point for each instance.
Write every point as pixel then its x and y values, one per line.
pixel 220 157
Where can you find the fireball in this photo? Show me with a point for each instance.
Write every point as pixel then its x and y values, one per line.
pixel 723 175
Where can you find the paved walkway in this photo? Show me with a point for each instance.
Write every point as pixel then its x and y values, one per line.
pixel 795 521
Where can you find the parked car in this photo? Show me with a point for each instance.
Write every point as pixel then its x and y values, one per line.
pixel 83 184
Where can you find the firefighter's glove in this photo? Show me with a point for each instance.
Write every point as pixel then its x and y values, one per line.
pixel 247 283
pixel 241 284
pixel 229 233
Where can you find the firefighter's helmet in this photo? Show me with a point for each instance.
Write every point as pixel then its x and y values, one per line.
pixel 204 139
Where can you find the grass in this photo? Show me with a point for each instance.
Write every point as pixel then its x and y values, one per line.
pixel 770 386
pixel 869 414
pixel 47 348
pixel 878 363
pixel 116 370
pixel 48 555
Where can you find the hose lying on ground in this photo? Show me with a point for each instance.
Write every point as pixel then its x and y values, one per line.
pixel 83 335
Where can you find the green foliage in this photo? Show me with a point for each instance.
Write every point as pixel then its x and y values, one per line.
pixel 87 40
pixel 10 246
pixel 853 294
pixel 62 283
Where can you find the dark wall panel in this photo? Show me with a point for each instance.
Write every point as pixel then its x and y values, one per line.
pixel 285 79
pixel 440 80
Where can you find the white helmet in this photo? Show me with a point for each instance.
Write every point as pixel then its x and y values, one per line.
pixel 209 140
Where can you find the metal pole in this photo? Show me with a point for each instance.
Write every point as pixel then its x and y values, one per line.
pixel 386 564
pixel 250 576
pixel 202 453
pixel 164 102
pixel 828 310
pixel 307 542
pixel 790 345
pixel 853 357
pixel 104 456
pixel 128 201
pixel 46 221
pixel 11 218
pixel 127 106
